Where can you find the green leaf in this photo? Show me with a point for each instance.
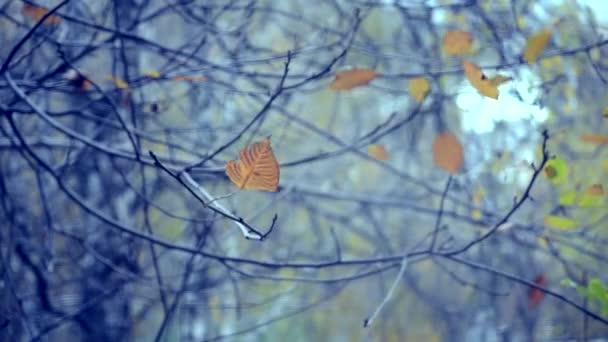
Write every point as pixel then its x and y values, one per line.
pixel 560 222
pixel 568 282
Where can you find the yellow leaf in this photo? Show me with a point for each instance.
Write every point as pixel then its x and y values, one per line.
pixel 568 197
pixel 377 151
pixel 152 73
pixel 119 82
pixel 257 168
pixel 447 152
pixel 37 12
pixel 535 45
pixel 457 42
pixel 560 222
pixel 605 113
pixel 349 79
pixel 478 196
pixel 419 87
pixel 556 170
pixel 190 78
pixel 485 86
pixel 592 138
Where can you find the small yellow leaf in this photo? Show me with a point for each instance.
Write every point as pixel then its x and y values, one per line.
pixel 447 152
pixel 152 73
pixel 560 222
pixel 605 113
pixel 257 168
pixel 119 82
pixel 556 170
pixel 377 151
pixel 593 138
pixel 194 78
pixel 419 87
pixel 349 79
pixel 568 197
pixel 485 86
pixel 535 45
pixel 457 42
pixel 478 196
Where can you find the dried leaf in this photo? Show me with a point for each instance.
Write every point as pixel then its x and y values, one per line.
pixel 457 42
pixel 535 296
pixel 447 152
pixel 556 170
pixel 190 78
pixel 37 12
pixel 377 151
pixel 596 190
pixel 592 197
pixel 152 73
pixel 485 86
pixel 592 138
pixel 257 168
pixel 349 79
pixel 119 82
pixel 419 87
pixel 560 222
pixel 535 45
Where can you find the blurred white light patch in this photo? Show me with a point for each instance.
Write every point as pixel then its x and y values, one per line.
pixel 480 113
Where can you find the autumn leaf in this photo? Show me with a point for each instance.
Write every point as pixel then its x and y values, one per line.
pixel 485 86
pixel 560 222
pixel 152 74
pixel 535 296
pixel 556 170
pixel 119 82
pixel 190 78
pixel 447 152
pixel 536 44
pixel 377 152
pixel 77 80
pixel 592 196
pixel 419 87
pixel 593 138
pixel 349 79
pixel 457 42
pixel 37 12
pixel 257 168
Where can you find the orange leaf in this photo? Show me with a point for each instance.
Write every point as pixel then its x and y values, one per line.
pixel 447 152
pixel 535 296
pixel 535 45
pixel 457 42
pixel 377 152
pixel 596 190
pixel 37 12
pixel 349 79
pixel 257 168
pixel 484 85
pixel 592 138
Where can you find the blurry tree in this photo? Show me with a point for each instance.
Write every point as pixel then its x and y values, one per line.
pixel 443 167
